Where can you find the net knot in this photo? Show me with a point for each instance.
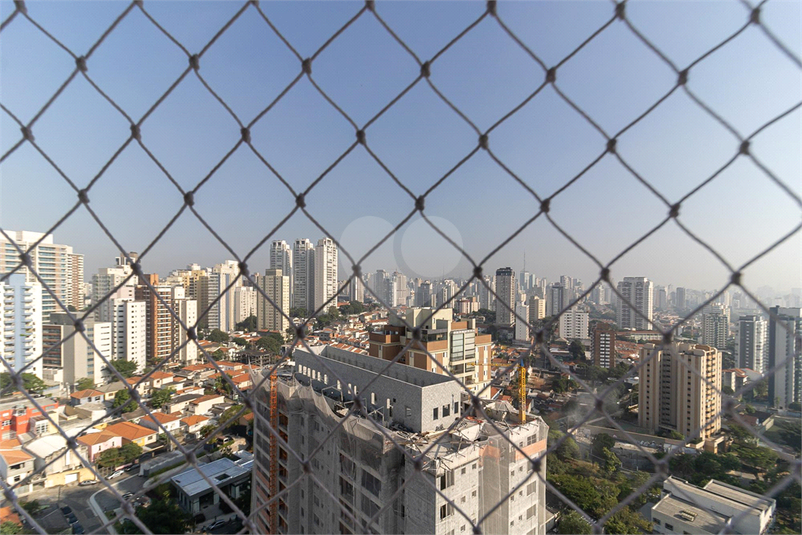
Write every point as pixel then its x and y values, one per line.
pixel 425 69
pixel 483 141
pixel 420 203
pixel 299 332
pixel 192 334
pixel 27 133
pixel 20 6
pixel 674 211
pixel 668 337
pixel 754 16
pixel 545 206
pixel 735 278
pixel 477 272
pixel 25 258
pixel 370 5
pixel 83 196
pixel 80 62
pixel 491 7
pixel 551 75
pixel 246 134
pixel 683 77
pixel 300 200
pixel 360 137
pixel 189 198
pixel 744 148
pixel 79 326
pixel 357 269
pixel 611 143
pixel 306 66
pixel 620 10
pixel 135 133
pixel 243 268
pixel 194 62
pixel 605 274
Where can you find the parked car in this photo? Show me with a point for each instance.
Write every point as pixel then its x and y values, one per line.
pixel 78 529
pixel 72 519
pixel 216 525
pixel 127 495
pixel 87 482
pixel 66 510
pixel 116 473
pixel 132 467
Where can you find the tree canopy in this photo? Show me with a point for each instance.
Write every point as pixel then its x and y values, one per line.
pixel 160 397
pixel 601 442
pixel 161 516
pixel 354 307
pixel 572 523
pixel 298 312
pixel 84 384
pixel 217 336
pixel 249 324
pixel 123 398
pixel 271 343
pixel 577 350
pixel 126 368
pixel 30 383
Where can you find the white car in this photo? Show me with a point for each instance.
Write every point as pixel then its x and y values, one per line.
pixel 216 525
pixel 116 473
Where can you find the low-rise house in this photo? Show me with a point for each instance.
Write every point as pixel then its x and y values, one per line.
pixel 204 404
pixel 131 432
pixel 196 390
pixel 160 379
pixel 141 385
pixel 52 456
pixel 169 422
pixel 18 415
pixel 232 478
pixel 16 465
pixel 86 396
pixel 110 390
pixel 97 443
pixel 193 424
pixel 178 404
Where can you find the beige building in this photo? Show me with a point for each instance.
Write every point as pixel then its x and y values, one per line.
pixel 276 285
pixel 456 345
pixel 537 308
pixel 680 391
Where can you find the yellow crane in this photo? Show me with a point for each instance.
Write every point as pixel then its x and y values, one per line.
pixel 521 384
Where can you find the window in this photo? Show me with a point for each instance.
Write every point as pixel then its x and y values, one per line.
pixel 435 413
pixel 473 494
pixel 446 410
pixel 530 512
pixel 656 521
pixel 371 484
pixel 463 470
pixel 446 480
pixel 456 407
pixel 446 511
pixel 474 466
pixel 669 527
pixel 530 488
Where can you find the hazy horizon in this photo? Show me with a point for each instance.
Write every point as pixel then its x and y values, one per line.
pixel 615 78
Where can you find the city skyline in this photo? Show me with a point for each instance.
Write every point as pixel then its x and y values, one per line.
pixel 675 148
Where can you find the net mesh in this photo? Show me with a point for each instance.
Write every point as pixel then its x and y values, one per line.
pixel 373 438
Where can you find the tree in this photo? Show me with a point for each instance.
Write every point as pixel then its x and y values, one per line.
pixel 749 409
pixel 229 413
pixel 298 312
pixel 249 324
pixel 270 343
pixel 123 398
pixel 219 354
pixel 572 523
pixel 611 461
pixel 30 383
pixel 577 350
pixel 354 307
pixel 32 507
pixel 217 336
pixel 759 458
pixel 160 397
pixel 130 452
pixel 761 389
pixel 161 516
pixel 10 528
pixel 601 442
pixel 727 390
pixel 124 367
pixel 565 451
pixel 795 406
pixel 489 315
pixel 110 458
pixel 239 341
pixel 84 384
pixel 206 430
pixel 627 521
pixel 222 386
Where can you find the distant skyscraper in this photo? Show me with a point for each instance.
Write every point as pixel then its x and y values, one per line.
pixel 486 298
pixel 281 258
pixel 715 327
pixel 505 290
pixel 558 299
pixel 276 286
pixel 537 309
pixel 574 324
pixel 638 292
pixel 424 297
pixel 60 269
pixel 785 383
pixel 680 299
pixel 244 303
pixel 325 270
pixel 303 278
pixel 75 357
pixel 187 311
pixel 160 321
pixel 603 345
pixel 129 326
pixel 522 331
pixel 751 343
pixel 22 323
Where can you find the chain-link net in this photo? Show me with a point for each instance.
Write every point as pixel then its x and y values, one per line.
pixel 363 443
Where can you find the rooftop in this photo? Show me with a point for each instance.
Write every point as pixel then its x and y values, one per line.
pixel 129 431
pixel 90 439
pixel 88 393
pixel 685 511
pixel 220 471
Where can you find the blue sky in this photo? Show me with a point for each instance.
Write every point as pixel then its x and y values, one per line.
pixel 614 79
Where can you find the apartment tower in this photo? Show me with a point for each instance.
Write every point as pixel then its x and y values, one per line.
pixel 276 286
pixel 22 323
pixel 505 290
pixel 751 343
pixel 303 278
pixel 785 383
pixel 325 270
pixel 602 346
pixel 637 291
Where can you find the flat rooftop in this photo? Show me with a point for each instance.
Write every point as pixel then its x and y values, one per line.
pixel 221 471
pixel 685 511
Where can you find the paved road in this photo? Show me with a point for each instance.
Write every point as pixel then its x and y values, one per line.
pixel 77 498
pixel 128 482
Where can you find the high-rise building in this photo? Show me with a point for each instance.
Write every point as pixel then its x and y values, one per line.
pixel 356 290
pixel 486 298
pixel 222 311
pixel 424 296
pixel 602 346
pixel 22 323
pixel 325 270
pixel 673 394
pixel 456 345
pixel 715 326
pixel 187 311
pixel 245 298
pixel 574 324
pixel 558 299
pixel 303 278
pixel 281 258
pixel 522 331
pixel 785 383
pixel 751 343
pixel 160 322
pixel 129 326
pixel 104 283
pixel 638 292
pixel 661 298
pixel 276 286
pixel 537 309
pixel 680 301
pixel 60 269
pixel 359 471
pixel 505 290
pixel 75 357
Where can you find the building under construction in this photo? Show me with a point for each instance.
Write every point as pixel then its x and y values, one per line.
pixel 418 463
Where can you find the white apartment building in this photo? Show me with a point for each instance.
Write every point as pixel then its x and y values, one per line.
pixel 325 269
pixel 362 470
pixel 639 292
pixel 785 383
pixel 522 331
pixel 244 303
pixel 276 286
pixel 22 323
pixel 187 311
pixel 129 327
pixel 105 281
pixel 303 275
pixel 486 298
pixel 537 308
pixel 222 311
pixel 75 358
pixel 715 326
pixel 57 265
pixel 281 258
pixel 751 344
pixel 574 324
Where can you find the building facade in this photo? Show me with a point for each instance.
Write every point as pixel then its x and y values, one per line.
pixel 22 323
pixel 751 343
pixel 303 277
pixel 574 324
pixel 325 270
pixel 522 331
pixel 505 290
pixel 276 286
pixel 637 291
pixel 785 383
pixel 603 345
pixel 673 394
